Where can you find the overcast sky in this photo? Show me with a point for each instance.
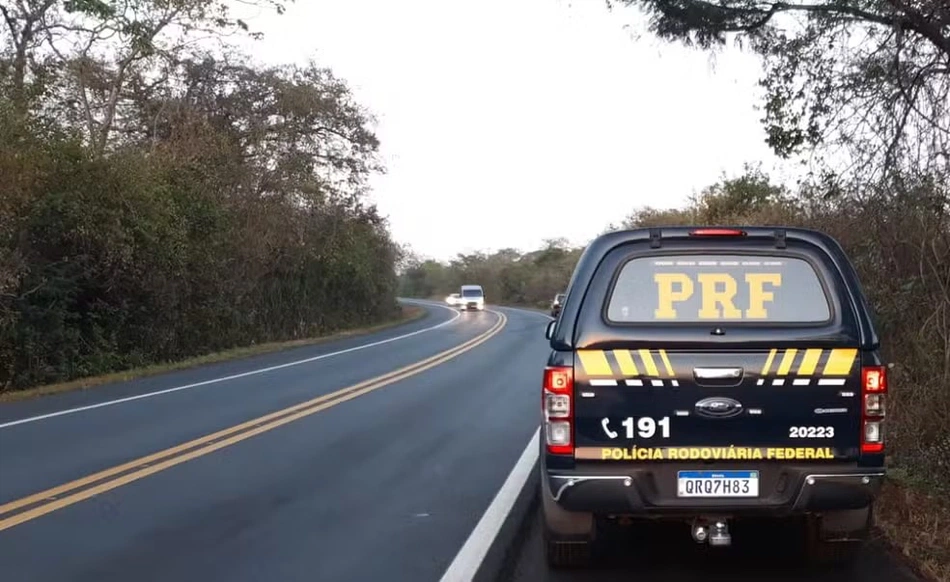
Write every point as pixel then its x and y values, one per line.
pixel 545 118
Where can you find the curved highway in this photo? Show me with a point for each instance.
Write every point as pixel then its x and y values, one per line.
pixel 384 456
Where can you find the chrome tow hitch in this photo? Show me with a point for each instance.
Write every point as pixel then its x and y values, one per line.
pixel 719 534
pixel 715 533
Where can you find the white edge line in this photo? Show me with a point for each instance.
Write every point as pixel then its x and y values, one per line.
pixel 234 376
pixel 470 557
pixel 473 552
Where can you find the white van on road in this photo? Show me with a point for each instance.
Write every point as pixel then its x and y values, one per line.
pixel 472 297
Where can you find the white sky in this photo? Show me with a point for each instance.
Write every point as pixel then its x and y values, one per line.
pixel 552 118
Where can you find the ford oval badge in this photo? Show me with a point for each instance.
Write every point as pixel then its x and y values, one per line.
pixel 718 407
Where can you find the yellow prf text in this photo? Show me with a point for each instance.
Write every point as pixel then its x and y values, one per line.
pixel 705 453
pixel 718 291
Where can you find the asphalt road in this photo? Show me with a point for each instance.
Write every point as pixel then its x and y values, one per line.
pixel 383 481
pixel 386 485
pixel 668 554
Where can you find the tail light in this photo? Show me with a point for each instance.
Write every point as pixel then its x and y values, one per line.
pixel 873 392
pixel 558 409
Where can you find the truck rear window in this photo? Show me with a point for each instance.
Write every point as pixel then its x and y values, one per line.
pixel 726 288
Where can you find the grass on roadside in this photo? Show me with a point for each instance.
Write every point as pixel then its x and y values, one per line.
pixel 915 523
pixel 408 314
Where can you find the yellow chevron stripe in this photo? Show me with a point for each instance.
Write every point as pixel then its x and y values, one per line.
pixel 627 365
pixel 768 362
pixel 787 361
pixel 648 363
pixel 809 362
pixel 666 363
pixel 839 362
pixel 595 363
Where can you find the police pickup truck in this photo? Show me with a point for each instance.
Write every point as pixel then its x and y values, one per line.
pixel 706 375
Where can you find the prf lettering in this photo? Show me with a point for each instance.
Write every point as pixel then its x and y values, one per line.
pixel 717 291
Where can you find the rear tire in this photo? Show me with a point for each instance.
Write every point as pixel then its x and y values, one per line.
pixel 568 536
pixel 844 547
pixel 837 555
pixel 567 555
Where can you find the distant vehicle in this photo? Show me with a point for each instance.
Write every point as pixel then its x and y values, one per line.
pixel 710 375
pixel 473 297
pixel 556 304
pixel 453 299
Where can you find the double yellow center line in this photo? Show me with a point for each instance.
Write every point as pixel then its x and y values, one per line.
pixel 44 502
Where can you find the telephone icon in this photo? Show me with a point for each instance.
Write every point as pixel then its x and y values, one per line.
pixel 612 434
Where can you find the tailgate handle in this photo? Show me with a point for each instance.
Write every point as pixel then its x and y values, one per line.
pixel 717 373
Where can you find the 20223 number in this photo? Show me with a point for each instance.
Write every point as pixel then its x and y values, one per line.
pixel 644 427
pixel 811 432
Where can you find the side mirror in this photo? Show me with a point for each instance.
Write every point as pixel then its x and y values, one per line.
pixel 549 330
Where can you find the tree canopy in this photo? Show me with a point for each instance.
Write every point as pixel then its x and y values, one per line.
pixel 867 79
pixel 164 199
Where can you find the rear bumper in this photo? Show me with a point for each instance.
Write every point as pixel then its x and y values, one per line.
pixel 784 490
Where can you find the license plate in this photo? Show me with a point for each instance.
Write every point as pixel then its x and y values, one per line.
pixel 717 484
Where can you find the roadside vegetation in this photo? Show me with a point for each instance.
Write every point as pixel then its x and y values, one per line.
pixel 859 92
pixel 164 198
pixel 405 315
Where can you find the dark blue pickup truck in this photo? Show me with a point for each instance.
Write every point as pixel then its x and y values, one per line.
pixel 707 375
